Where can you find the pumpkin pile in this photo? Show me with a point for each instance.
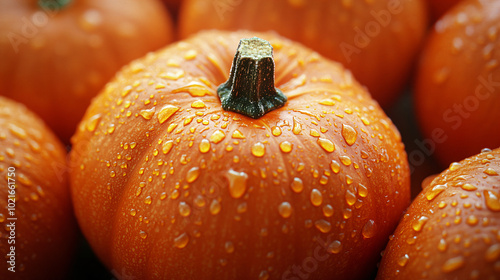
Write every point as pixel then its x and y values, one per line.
pixel 256 146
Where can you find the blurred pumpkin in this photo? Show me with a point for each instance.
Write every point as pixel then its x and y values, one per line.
pixel 457 85
pixel 309 178
pixel 57 55
pixel 38 228
pixel 451 230
pixel 377 40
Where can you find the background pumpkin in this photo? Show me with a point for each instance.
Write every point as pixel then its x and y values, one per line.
pixel 55 61
pixel 377 40
pixel 457 83
pixel 45 229
pixel 168 185
pixel 451 230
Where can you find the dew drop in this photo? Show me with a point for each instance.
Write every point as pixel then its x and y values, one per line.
pixel 369 229
pixel 297 127
pixel 417 225
pixel 442 245
pixel 350 198
pixel 335 166
pixel 92 122
pixel 453 264
pixel 2 218
pixel 111 128
pixel 454 166
pixel 217 136
pixel 323 226
pixel 472 220
pixel 432 193
pixel 215 207
pixel 264 275
pixel 181 241
pixel 326 144
pixel 192 174
pixel 345 160
pixel 147 114
pixel 492 253
pixel 166 112
pixel 194 88
pixel 198 104
pixel 238 135
pixel 349 134
pixel 328 210
pixel 314 133
pixel 204 146
pixel 335 247
pixel 492 200
pixel 148 200
pixel 362 190
pixel 286 146
pixel 468 187
pixel 258 149
pixel 229 246
pixel 285 209
pixel 143 234
pixel 276 131
pixel 402 261
pixel 17 131
pixel 316 197
pixel 490 171
pixel 167 146
pixel 237 183
pixel 297 185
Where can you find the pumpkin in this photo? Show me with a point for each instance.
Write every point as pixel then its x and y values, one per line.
pixel 439 8
pixel 451 230
pixel 457 84
pixel 293 170
pixel 377 40
pixel 57 55
pixel 38 233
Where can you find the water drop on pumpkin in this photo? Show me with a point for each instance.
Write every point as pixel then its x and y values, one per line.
pixel 369 229
pixel 323 226
pixel 432 193
pixel 264 275
pixel 237 183
pixel 204 146
pixel 143 234
pixel 184 209
pixel 335 166
pixel 276 131
pixel 285 209
pixel 198 104
pixel 490 171
pixel 258 149
pixel 345 160
pixel 167 146
pixel 362 190
pixel 349 133
pixel 492 200
pixel 215 207
pixel 453 264
pixel 229 247
pixel 181 241
pixel 316 197
pixel 417 225
pixel 454 166
pixel 326 144
pixel 166 112
pixel 297 185
pixel 468 187
pixel 195 89
pixel 192 174
pixel 297 127
pixel 402 261
pixel 92 122
pixel 111 128
pixel 217 136
pixel 147 114
pixel 335 247
pixel 238 135
pixel 286 146
pixel 442 245
pixel 492 254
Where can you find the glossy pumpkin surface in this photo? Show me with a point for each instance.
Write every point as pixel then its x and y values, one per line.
pixel 38 230
pixel 451 230
pixel 377 40
pixel 458 82
pixel 167 184
pixel 55 60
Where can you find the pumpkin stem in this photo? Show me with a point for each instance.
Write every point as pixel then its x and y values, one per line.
pixel 53 5
pixel 250 88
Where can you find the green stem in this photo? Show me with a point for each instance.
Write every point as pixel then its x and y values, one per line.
pixel 250 88
pixel 53 5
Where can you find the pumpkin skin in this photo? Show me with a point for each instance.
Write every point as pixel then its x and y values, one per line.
pixel 451 230
pixel 456 93
pixel 52 61
pixel 197 196
pixel 439 8
pixel 377 40
pixel 45 224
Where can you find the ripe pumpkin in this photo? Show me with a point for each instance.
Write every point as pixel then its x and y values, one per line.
pixel 57 55
pixel 167 184
pixel 42 239
pixel 457 85
pixel 451 230
pixel 377 40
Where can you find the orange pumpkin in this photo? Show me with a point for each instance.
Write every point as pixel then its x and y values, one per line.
pixel 456 95
pixel 57 55
pixel 377 40
pixel 451 230
pixel 38 228
pixel 167 184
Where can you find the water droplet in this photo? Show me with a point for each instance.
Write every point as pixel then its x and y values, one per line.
pixel 345 160
pixel 166 112
pixel 192 174
pixel 143 234
pixel 326 144
pixel 276 131
pixel 362 190
pixel 490 171
pixel 335 247
pixel 350 198
pixel 167 146
pixel 492 200
pixel 285 209
pixel 2 218
pixel 147 114
pixel 442 245
pixel 264 275
pixel 417 225
pixel 316 197
pixel 229 246
pixel 297 127
pixel 468 187
pixel 335 166
pixel 238 135
pixel 454 166
pixel 217 136
pixel 258 149
pixel 297 185
pixel 23 179
pixel 92 122
pixel 198 104
pixel 190 54
pixel 215 207
pixel 111 128
pixel 369 229
pixel 17 131
pixel 194 88
pixel 148 200
pixel 432 193
pixel 204 146
pixel 327 102
pixel 237 183
pixel 184 209
pixel 453 264
pixel 181 241
pixel 314 133
pixel 349 134
pixel 323 226
pixel 286 146
pixel 112 174
pixel 472 220
pixel 493 253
